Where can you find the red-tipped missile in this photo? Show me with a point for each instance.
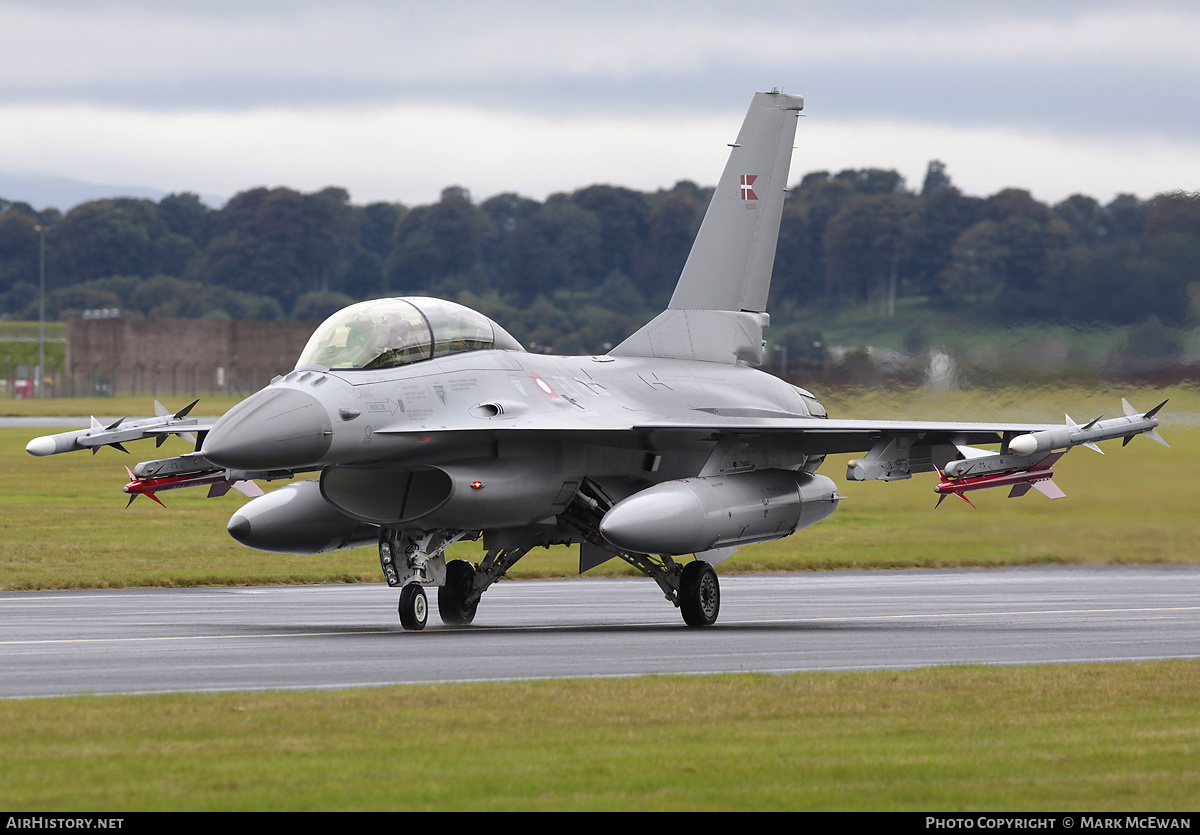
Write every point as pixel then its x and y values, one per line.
pixel 1039 476
pixel 217 478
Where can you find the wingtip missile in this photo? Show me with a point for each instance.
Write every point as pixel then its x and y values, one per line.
pixel 1064 437
pixel 118 432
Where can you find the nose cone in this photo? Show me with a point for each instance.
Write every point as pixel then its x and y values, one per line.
pixel 1023 445
pixel 41 446
pixel 278 428
pixel 239 528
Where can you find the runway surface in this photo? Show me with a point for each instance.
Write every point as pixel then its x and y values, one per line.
pixel 313 637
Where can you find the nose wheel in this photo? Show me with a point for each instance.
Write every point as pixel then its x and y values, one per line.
pixel 414 608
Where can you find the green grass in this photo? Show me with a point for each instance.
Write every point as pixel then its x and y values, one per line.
pixel 139 405
pixel 19 346
pixel 1095 738
pixel 1075 348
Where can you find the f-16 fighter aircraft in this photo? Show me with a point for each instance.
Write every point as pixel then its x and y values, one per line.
pixel 429 424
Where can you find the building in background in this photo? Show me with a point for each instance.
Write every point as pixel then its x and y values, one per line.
pixel 172 357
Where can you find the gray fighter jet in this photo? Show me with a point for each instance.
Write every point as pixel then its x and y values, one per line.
pixel 429 424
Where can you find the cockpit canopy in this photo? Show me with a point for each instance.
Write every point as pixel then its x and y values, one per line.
pixel 386 333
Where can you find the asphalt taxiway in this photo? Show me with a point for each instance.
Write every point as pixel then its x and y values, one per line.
pixel 315 637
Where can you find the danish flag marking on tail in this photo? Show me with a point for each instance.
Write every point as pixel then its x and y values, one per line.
pixel 747 183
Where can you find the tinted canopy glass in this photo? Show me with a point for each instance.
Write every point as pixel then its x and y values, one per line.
pixel 386 333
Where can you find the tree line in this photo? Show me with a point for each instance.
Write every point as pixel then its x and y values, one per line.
pixel 579 271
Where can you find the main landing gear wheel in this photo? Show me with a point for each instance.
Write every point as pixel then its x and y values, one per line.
pixel 452 597
pixel 699 594
pixel 414 608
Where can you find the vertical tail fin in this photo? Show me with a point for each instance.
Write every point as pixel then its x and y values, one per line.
pixel 718 310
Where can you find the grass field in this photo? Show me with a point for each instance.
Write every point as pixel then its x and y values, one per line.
pixel 1025 348
pixel 1119 737
pixel 19 343
pixel 1093 738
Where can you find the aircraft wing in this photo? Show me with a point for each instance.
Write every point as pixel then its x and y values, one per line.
pixel 832 435
pixel 897 449
pixel 742 439
pixel 823 436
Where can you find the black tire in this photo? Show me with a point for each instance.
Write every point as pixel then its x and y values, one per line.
pixel 452 597
pixel 699 594
pixel 414 608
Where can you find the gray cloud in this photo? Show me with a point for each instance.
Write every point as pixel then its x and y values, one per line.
pixel 1073 67
pixel 1101 75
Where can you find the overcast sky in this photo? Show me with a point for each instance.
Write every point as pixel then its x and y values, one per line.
pixel 394 101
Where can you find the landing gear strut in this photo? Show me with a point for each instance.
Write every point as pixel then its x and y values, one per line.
pixel 412 559
pixel 693 587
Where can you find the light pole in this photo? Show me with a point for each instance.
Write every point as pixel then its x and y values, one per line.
pixel 41 370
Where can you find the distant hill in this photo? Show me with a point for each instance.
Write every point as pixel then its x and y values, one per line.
pixel 45 191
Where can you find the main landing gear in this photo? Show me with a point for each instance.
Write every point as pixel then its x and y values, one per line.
pixel 457 602
pixel 413 560
pixel 699 594
pixel 692 587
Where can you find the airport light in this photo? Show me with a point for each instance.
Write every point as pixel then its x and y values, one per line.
pixel 41 369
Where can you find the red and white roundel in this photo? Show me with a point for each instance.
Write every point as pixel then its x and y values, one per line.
pixel 543 385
